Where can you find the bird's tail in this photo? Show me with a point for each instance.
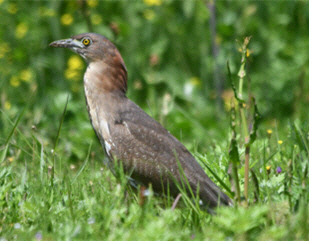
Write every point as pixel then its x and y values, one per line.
pixel 210 193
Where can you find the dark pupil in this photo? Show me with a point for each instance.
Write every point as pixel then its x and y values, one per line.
pixel 86 41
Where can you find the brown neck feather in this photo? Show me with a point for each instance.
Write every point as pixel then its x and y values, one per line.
pixel 107 75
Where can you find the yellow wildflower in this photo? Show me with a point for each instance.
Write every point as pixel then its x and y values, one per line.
pixel 26 75
pixel 7 105
pixel 149 14
pixel 74 62
pixel 280 142
pixel 248 52
pixel 195 81
pixel 269 131
pixel 72 74
pixel 12 8
pixel 92 3
pixel 67 19
pixel 4 48
pixel 14 81
pixel 96 19
pixel 21 30
pixel 74 67
pixel 10 159
pixel 268 167
pixel 152 2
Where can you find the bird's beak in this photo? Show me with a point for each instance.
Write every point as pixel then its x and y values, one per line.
pixel 67 43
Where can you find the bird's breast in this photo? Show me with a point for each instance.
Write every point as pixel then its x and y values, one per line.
pixel 91 106
pixel 97 116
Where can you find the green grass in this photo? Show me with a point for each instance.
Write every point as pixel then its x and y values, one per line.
pixel 84 201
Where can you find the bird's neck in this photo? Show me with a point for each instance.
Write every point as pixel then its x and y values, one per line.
pixel 108 78
pixel 105 88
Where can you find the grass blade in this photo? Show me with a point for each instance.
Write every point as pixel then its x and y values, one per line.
pixel 57 139
pixel 224 185
pixel 84 164
pixel 42 163
pixel 60 126
pixel 10 135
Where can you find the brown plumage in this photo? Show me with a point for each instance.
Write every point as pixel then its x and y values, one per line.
pixel 126 132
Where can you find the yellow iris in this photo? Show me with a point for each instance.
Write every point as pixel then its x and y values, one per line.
pixel 86 42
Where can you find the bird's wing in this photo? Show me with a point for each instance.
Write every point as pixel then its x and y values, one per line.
pixel 149 149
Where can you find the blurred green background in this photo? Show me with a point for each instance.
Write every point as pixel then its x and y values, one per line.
pixel 175 53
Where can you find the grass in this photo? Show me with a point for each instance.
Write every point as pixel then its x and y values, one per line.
pixel 89 203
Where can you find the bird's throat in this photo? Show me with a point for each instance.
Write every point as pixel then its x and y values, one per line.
pixel 103 77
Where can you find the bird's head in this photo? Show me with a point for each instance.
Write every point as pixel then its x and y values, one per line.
pixel 90 46
pixel 97 48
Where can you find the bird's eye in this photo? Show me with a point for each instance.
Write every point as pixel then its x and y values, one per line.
pixel 86 41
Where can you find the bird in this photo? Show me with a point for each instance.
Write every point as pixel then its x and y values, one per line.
pixel 148 152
